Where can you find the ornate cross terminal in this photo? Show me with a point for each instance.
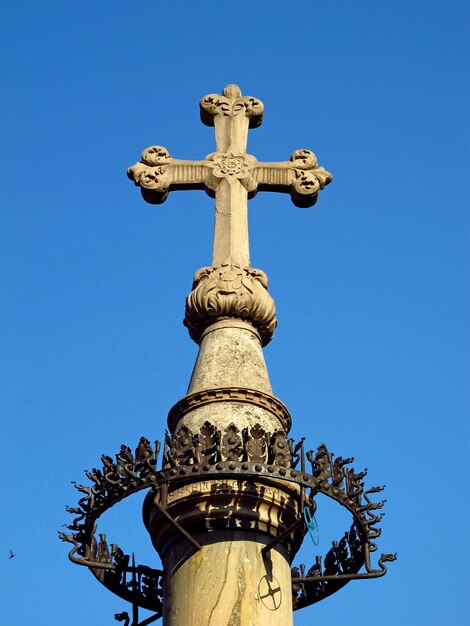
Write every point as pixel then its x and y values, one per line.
pixel 229 173
pixel 231 176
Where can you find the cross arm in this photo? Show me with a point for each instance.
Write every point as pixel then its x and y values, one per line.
pixel 157 173
pixel 301 176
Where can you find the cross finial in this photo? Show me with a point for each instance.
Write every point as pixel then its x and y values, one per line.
pixel 230 174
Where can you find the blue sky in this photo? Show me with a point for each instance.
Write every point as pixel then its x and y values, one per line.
pixel 371 351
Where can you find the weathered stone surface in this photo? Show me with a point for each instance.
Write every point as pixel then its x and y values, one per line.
pixel 245 415
pixel 230 354
pixel 225 584
pixel 231 358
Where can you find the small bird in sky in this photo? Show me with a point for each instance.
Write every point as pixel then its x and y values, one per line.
pixel 11 554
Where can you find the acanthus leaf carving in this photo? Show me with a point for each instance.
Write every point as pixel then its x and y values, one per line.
pixel 230 291
pixel 256 445
pixel 183 445
pixel 145 457
pixel 208 443
pixel 232 443
pixel 281 450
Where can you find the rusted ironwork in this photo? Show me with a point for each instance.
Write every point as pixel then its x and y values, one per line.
pixel 341 564
pixel 124 617
pixel 282 537
pixel 210 445
pixel 179 529
pixel 252 454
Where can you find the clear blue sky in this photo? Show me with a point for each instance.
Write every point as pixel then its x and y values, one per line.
pixel 371 284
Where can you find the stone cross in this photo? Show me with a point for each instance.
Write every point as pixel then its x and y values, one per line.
pixel 229 174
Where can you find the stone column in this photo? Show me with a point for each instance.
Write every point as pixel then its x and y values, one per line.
pixel 228 582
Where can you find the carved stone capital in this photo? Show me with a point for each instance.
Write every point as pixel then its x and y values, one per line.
pixel 230 291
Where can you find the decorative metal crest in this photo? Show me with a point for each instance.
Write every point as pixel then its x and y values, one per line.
pixel 210 452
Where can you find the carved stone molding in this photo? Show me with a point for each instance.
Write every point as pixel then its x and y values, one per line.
pixel 231 103
pixel 151 173
pixel 258 505
pixel 307 178
pixel 230 291
pixel 230 394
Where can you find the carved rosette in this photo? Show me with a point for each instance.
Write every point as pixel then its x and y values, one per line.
pixel 231 167
pixel 230 291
